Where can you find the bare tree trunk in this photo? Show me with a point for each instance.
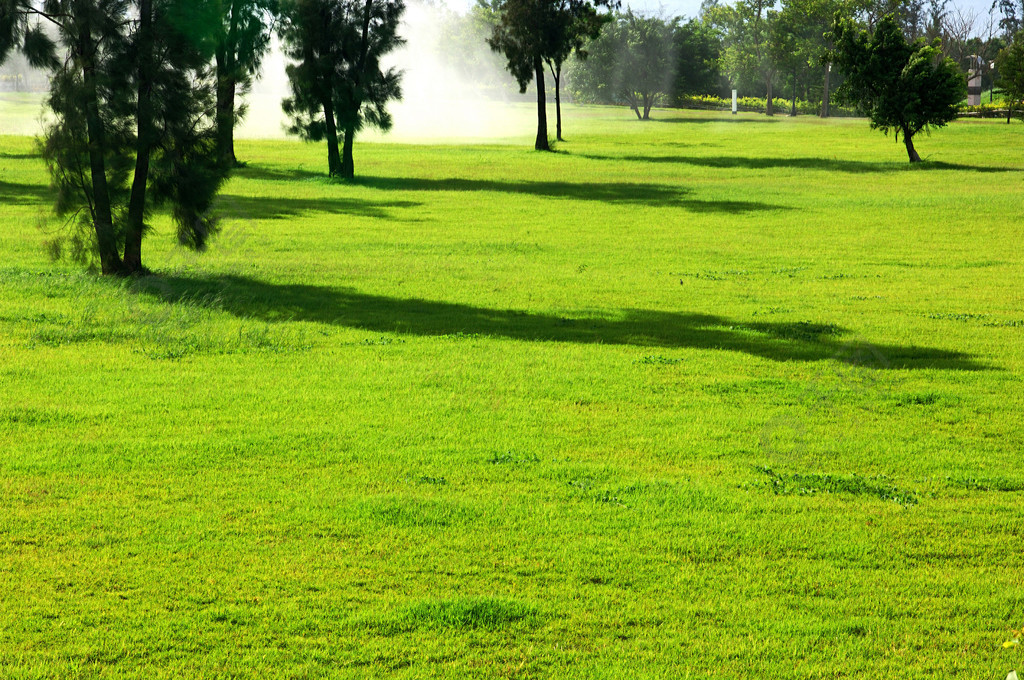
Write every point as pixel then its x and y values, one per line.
pixel 558 103
pixel 348 164
pixel 227 84
pixel 143 142
pixel 103 223
pixel 333 158
pixel 769 109
pixel 225 111
pixel 908 140
pixel 541 144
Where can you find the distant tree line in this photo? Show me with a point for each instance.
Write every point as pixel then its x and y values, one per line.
pixel 770 48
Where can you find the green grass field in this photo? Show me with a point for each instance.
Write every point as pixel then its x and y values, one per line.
pixel 708 396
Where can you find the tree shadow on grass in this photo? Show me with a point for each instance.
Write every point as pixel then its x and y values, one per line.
pixel 251 298
pixel 232 206
pixel 657 195
pixel 272 174
pixel 25 194
pixel 19 156
pixel 825 164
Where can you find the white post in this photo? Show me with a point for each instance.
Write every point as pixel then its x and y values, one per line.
pixel 734 109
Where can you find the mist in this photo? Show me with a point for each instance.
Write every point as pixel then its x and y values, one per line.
pixel 454 88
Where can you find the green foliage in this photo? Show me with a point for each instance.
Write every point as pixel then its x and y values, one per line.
pixel 242 39
pixel 337 79
pixel 629 63
pixel 903 87
pixel 752 43
pixel 1011 72
pixel 696 49
pixel 131 126
pixel 523 31
pixel 754 104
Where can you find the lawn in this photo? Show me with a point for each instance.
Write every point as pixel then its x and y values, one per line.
pixel 705 396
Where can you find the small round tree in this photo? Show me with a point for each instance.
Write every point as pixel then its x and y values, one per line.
pixel 902 86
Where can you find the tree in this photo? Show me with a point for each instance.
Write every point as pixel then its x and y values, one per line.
pixel 522 33
pixel 337 80
pixel 646 74
pixel 1013 15
pixel 751 46
pixel 132 125
pixel 243 39
pixel 696 48
pixel 903 86
pixel 629 63
pixel 576 22
pixel 1011 73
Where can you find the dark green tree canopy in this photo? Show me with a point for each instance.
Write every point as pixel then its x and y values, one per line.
pixel 1011 73
pixel 902 86
pixel 242 36
pixel 337 80
pixel 630 63
pixel 132 125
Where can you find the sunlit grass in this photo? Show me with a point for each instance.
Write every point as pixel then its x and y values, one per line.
pixel 710 395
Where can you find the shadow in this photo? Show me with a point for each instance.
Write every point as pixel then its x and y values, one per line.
pixel 657 195
pixel 260 172
pixel 19 156
pixel 251 298
pixel 824 164
pixel 25 194
pixel 231 206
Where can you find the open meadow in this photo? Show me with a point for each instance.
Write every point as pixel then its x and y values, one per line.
pixel 705 396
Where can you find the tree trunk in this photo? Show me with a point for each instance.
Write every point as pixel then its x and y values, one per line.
pixel 636 109
pixel 792 110
pixel 227 85
pixel 542 115
pixel 225 110
pixel 348 165
pixel 769 108
pixel 144 142
pixel 825 94
pixel 103 223
pixel 558 103
pixel 333 158
pixel 908 140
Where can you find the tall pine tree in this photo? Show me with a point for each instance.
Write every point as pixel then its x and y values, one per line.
pixel 337 81
pixel 132 124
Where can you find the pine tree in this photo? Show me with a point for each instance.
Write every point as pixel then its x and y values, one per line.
pixel 132 119
pixel 242 40
pixel 337 81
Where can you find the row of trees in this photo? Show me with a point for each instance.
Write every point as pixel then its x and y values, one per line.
pixel 145 97
pixel 767 47
pixel 535 35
